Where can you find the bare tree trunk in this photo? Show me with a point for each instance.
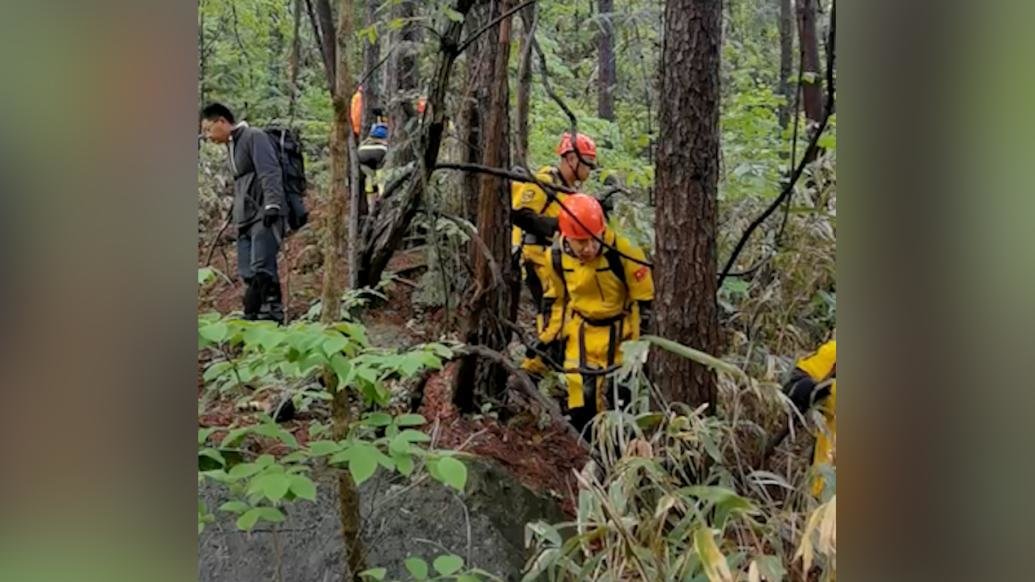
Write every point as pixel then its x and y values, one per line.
pixel 492 300
pixel 335 253
pixel 524 84
pixel 371 101
pixel 329 44
pixel 606 61
pixel 786 61
pixel 687 188
pixel 472 112
pixel 812 85
pixel 371 56
pixel 402 85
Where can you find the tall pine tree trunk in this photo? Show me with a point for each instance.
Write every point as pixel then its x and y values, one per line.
pixel 686 198
pixel 606 62
pixel 812 85
pixel 492 300
pixel 472 111
pixel 786 61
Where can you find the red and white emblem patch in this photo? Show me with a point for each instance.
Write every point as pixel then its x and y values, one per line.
pixel 640 273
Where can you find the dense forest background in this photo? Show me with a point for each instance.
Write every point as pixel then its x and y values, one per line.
pixel 739 137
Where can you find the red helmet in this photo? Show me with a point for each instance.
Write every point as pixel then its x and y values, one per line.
pixel 586 147
pixel 587 211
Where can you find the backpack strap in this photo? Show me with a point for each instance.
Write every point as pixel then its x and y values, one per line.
pixel 551 197
pixel 614 261
pixel 558 264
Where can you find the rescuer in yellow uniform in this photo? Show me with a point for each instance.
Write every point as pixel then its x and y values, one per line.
pixel 597 296
pixel 813 383
pixel 535 213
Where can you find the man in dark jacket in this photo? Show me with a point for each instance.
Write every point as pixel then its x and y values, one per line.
pixel 259 208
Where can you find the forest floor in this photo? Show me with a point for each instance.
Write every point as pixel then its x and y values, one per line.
pixel 542 458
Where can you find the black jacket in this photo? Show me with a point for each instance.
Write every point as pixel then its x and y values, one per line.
pixel 258 180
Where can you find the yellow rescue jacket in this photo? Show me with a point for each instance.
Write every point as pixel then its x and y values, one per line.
pixel 593 307
pixel 530 195
pixel 602 289
pixel 820 366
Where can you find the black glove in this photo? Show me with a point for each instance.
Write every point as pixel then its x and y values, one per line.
pixel 607 204
pixel 801 389
pixel 646 316
pixel 271 215
pixel 534 350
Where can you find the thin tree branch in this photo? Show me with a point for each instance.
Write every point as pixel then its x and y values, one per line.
pixel 524 384
pixel 366 75
pixel 491 24
pixel 527 176
pixel 328 67
pixel 544 73
pixel 497 276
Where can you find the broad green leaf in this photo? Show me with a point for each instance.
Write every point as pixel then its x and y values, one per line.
pixel 271 514
pixel 374 573
pixel 343 368
pixel 452 472
pixel 204 433
pixel 274 486
pixel 303 487
pixel 234 435
pixel 385 461
pixel 410 420
pixel 205 275
pixel 214 333
pixel 446 565
pixel 247 520
pixel 213 454
pixel 321 448
pixel 334 344
pixel 363 462
pixel 417 567
pixel 274 431
pixel 399 445
pixel 413 436
pixel 243 470
pixel 377 419
pixel 234 506
pixel 403 463
pixel 216 370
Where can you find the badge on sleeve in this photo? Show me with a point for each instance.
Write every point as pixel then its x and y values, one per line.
pixel 640 273
pixel 527 196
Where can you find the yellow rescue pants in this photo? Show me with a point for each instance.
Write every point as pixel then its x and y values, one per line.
pixel 826 447
pixel 535 365
pixel 593 344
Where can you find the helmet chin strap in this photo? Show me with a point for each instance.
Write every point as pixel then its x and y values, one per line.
pixel 575 182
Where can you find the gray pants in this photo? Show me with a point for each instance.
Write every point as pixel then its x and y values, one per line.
pixel 257 248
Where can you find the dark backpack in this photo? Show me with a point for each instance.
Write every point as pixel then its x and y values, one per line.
pixel 288 145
